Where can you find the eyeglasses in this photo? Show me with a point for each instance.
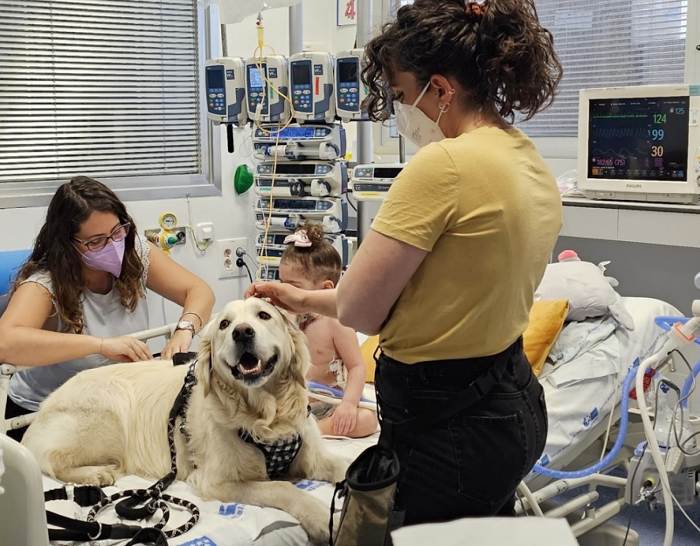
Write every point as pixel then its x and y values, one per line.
pixel 119 233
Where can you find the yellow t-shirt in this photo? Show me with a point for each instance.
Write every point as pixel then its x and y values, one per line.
pixel 487 209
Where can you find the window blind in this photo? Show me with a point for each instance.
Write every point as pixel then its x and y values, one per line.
pixel 104 88
pixel 603 43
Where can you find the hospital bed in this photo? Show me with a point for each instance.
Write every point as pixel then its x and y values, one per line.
pixel 582 391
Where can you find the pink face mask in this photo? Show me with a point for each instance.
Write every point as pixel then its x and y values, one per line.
pixel 107 259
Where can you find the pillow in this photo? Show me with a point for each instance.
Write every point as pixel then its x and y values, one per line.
pixel 546 321
pixel 586 288
pixel 367 349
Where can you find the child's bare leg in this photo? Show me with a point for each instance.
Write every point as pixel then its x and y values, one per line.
pixel 326 426
pixel 366 423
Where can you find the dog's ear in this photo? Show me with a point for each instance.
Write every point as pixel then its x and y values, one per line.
pixel 301 358
pixel 204 371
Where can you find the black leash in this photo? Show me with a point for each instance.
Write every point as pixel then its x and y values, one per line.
pixel 136 504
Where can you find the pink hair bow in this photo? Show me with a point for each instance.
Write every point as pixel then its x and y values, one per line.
pixel 299 238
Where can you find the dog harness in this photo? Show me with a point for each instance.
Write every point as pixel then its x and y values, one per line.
pixel 279 455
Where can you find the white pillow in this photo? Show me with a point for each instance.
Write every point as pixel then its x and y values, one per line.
pixel 587 289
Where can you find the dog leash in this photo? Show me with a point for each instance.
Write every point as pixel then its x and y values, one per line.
pixel 136 504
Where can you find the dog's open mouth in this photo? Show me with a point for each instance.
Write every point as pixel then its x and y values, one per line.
pixel 250 367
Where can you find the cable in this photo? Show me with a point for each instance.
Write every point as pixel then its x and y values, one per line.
pixel 678 504
pixel 654 447
pixel 680 405
pixel 610 419
pixel 347 197
pixel 240 262
pixel 201 247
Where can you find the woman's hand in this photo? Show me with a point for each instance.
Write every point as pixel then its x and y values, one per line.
pixel 280 294
pixel 344 419
pixel 179 343
pixel 124 349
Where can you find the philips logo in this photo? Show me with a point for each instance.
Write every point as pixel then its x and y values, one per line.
pixel 633 186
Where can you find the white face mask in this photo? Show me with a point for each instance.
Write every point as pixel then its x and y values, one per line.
pixel 413 124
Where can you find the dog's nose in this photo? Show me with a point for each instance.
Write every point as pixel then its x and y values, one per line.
pixel 243 332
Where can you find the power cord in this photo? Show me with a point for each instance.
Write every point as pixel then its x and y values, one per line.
pixel 240 261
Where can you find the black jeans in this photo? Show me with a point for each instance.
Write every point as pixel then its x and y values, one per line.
pixel 13 410
pixel 471 463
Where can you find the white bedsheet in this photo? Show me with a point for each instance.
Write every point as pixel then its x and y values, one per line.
pixel 584 386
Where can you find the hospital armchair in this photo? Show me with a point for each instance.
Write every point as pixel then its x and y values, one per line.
pixel 9 264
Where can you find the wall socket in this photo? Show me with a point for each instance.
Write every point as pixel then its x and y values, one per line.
pixel 225 251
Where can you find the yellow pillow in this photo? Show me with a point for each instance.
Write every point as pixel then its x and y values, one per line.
pixel 367 349
pixel 546 321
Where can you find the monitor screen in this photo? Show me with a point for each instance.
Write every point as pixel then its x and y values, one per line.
pixel 254 77
pixel 638 138
pixel 295 168
pixel 215 77
pixel 387 172
pixel 347 70
pixel 301 72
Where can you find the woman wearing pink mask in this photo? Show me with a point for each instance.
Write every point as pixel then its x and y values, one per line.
pixel 83 289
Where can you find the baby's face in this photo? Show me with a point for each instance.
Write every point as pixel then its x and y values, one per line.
pixel 297 276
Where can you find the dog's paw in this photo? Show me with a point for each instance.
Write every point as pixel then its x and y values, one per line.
pixel 101 476
pixel 314 520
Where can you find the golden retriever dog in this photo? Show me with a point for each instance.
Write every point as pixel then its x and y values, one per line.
pixel 111 421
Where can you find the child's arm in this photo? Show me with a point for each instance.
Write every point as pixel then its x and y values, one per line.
pixel 348 350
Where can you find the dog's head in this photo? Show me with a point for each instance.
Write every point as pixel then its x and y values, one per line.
pixel 251 342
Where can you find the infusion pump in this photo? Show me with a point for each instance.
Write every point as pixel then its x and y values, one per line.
pixel 298 142
pixel 301 179
pixel 372 182
pixel 350 91
pixel 225 88
pixel 266 86
pixel 311 86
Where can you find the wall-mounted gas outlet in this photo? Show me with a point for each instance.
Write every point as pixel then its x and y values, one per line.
pixel 225 250
pixel 167 240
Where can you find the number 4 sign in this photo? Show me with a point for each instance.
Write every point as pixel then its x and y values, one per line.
pixel 347 12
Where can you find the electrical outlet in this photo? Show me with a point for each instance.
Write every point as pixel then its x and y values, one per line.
pixel 226 256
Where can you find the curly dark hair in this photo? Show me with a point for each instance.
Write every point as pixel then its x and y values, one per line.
pixel 320 261
pixel 497 50
pixel 55 250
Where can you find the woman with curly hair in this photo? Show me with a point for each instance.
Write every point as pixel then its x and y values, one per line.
pixel 447 274
pixel 83 289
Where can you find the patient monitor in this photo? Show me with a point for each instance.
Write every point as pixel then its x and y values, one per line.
pixel 640 143
pixel 266 88
pixel 311 85
pixel 225 87
pixel 350 92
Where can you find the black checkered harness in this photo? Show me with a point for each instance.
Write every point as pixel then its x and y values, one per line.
pixel 136 504
pixel 279 455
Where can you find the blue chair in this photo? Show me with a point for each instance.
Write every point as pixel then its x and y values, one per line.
pixel 10 263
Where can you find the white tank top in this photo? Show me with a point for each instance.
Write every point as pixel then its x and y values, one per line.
pixel 103 316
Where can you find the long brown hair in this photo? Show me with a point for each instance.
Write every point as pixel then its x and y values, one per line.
pixel 498 51
pixel 320 261
pixel 55 251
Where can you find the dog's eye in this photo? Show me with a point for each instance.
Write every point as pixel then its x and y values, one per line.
pixel 224 324
pixel 264 316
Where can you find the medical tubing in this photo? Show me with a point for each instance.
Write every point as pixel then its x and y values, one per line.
pixel 653 447
pixel 688 384
pixel 619 441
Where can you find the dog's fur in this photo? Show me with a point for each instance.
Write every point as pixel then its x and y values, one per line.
pixel 112 421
